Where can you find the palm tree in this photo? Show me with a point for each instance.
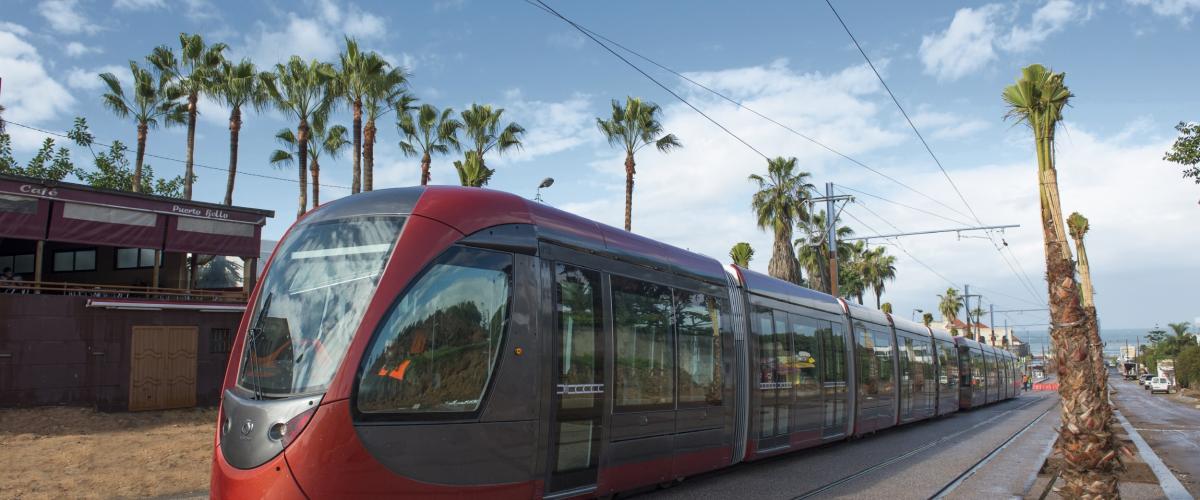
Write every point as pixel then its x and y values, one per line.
pixel 472 172
pixel 387 92
pixel 329 141
pixel 886 307
pixel 153 99
pixel 238 85
pixel 853 274
pixel 194 74
pixel 1037 99
pixel 927 318
pixel 879 268
pixel 1078 226
pixel 481 125
pixel 778 205
pixel 1182 338
pixel 813 250
pixel 1 118
pixel 303 91
pixel 950 304
pixel 633 127
pixel 742 253
pixel 355 73
pixel 428 132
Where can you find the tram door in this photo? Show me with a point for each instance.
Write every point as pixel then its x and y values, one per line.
pixel 578 406
pixel 833 379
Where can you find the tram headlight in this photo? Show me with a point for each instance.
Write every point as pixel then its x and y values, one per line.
pixel 286 432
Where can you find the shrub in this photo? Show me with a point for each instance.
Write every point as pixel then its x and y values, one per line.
pixel 1187 367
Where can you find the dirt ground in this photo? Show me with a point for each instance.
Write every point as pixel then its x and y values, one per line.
pixel 60 452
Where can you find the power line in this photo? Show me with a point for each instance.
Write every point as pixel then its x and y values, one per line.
pixel 167 158
pixel 594 35
pixel 896 242
pixel 910 207
pixel 647 75
pixel 1027 281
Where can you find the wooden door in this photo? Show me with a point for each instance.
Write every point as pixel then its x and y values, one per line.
pixel 162 367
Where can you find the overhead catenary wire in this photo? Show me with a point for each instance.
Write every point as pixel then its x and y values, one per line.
pixel 176 160
pixel 595 35
pixel 1027 281
pixel 651 78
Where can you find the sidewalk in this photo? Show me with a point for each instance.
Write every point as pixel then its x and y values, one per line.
pixel 1025 467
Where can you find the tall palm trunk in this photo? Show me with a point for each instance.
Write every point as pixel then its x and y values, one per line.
pixel 141 155
pixel 315 172
pixel 783 264
pixel 302 155
pixel 368 155
pixel 629 171
pixel 425 162
pixel 356 183
pixel 878 298
pixel 235 127
pixel 1086 441
pixel 1085 275
pixel 188 176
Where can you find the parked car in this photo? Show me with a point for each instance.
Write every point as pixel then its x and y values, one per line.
pixel 1158 384
pixel 1145 380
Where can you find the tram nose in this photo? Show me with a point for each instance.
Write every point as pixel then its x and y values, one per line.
pixel 254 431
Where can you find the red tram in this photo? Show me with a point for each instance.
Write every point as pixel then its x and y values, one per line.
pixel 457 342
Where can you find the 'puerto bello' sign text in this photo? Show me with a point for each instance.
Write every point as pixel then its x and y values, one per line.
pixel 198 212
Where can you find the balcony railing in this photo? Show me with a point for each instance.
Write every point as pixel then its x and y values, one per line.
pixel 121 291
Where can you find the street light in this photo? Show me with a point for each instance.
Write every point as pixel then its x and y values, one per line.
pixel 547 182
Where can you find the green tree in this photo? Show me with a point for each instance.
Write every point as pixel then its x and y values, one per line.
pixel 1187 367
pixel 886 307
pixel 632 127
pixel 927 318
pixel 472 172
pixel 1037 99
pixel 304 91
pixel 325 141
pixel 426 133
pixel 47 163
pixel 112 168
pixel 154 98
pixel 2 109
pixel 1186 150
pixel 354 75
pixel 483 133
pixel 950 304
pixel 741 253
pixel 813 252
pixel 1180 338
pixel 237 86
pixel 853 278
pixel 778 205
pixel 878 269
pixel 388 92
pixel 193 73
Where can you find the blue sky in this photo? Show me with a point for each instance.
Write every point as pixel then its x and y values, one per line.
pixel 1130 63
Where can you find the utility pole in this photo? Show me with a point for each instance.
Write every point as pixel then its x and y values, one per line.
pixel 831 218
pixel 967 301
pixel 992 320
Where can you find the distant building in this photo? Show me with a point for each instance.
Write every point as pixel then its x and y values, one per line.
pixel 1002 338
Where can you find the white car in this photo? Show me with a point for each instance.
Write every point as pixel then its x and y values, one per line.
pixel 1160 384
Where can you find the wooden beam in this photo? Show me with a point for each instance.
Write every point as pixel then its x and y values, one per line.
pixel 37 265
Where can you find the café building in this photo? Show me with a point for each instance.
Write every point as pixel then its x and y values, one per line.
pixel 119 300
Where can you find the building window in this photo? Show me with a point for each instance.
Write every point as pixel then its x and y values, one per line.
pixel 135 258
pixel 645 361
pixel 219 340
pixel 437 348
pixel 75 260
pixel 20 264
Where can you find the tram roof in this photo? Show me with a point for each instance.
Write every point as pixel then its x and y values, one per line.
pixel 469 210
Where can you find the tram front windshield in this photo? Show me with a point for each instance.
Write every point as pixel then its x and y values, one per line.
pixel 311 302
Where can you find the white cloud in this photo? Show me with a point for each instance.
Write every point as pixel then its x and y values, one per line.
pixel 89 79
pixel 139 4
pixel 965 46
pixel 975 36
pixel 200 10
pixel 14 28
pixel 550 127
pixel 318 37
pixel 1047 20
pixel 67 17
pixel 1182 9
pixel 941 125
pixel 30 94
pixel 76 49
pixel 444 5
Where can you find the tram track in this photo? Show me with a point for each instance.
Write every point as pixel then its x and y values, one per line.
pixel 948 487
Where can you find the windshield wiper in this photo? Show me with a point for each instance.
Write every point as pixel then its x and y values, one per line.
pixel 252 343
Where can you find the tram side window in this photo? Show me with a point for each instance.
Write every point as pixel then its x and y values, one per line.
pixel 438 346
pixel 868 364
pixel 645 357
pixel 948 361
pixel 698 324
pixel 804 346
pixel 579 321
pixel 883 355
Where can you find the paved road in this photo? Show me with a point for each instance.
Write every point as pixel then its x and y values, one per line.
pixel 1171 427
pixel 963 439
